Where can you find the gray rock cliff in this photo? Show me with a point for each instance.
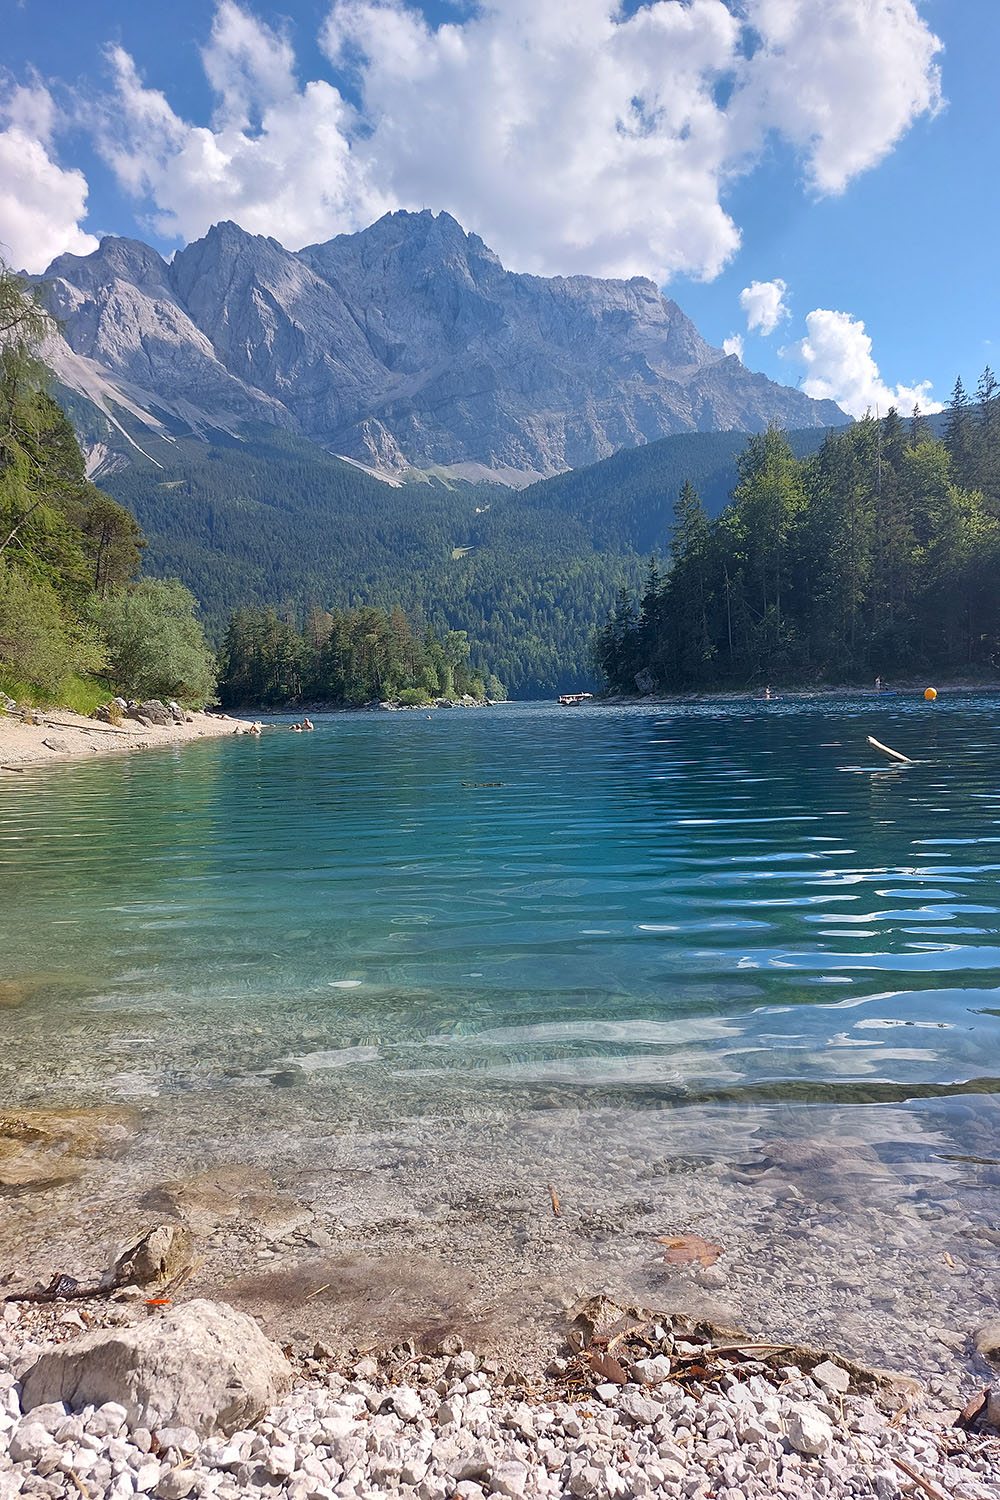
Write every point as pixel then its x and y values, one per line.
pixel 407 344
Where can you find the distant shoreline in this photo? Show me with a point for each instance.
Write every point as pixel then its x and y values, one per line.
pixel 756 695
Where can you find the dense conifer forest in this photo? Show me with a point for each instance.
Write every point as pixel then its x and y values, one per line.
pixel 876 556
pixel 345 657
pixel 270 520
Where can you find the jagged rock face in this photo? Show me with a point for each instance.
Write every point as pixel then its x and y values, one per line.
pixel 405 344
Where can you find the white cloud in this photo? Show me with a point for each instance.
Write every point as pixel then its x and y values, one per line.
pixel 41 203
pixel 733 345
pixel 571 135
pixel 842 80
pixel 837 355
pixel 764 304
pixel 277 157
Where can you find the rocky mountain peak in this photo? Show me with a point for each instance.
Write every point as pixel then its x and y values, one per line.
pixel 407 344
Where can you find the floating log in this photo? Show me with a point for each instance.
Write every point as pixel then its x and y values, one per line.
pixel 892 754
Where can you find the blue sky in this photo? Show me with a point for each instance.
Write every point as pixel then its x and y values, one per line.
pixel 810 166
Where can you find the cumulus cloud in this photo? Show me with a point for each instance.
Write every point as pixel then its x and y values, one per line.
pixel 764 304
pixel 276 158
pixel 572 135
pixel 733 345
pixel 842 80
pixel 41 203
pixel 837 355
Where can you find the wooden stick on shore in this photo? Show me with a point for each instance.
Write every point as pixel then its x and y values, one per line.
pixel 61 724
pixel 892 754
pixel 87 728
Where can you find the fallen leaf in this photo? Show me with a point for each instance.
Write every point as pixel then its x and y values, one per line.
pixel 969 1414
pixel 948 1260
pixel 606 1366
pixel 682 1249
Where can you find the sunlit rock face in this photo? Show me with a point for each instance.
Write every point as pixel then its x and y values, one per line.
pixel 407 344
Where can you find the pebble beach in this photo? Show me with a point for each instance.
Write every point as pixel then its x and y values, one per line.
pixel 685 1424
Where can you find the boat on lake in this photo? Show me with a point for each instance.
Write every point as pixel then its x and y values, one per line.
pixel 573 700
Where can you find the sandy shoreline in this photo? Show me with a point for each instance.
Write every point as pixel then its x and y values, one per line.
pixel 69 736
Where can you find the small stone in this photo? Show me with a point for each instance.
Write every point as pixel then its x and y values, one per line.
pixel 712 1278
pixel 147 1476
pixel 988 1340
pixel 832 1377
pixel 29 1442
pixel 366 1369
pixel 509 1479
pixel 809 1432
pixel 184 1439
pixel 175 1484
pixel 51 1416
pixel 993 1406
pixel 639 1409
pixel 280 1461
pixel 108 1420
pixel 406 1403
pixel 651 1371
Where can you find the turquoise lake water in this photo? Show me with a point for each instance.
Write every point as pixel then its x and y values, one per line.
pixel 713 901
pixel 735 913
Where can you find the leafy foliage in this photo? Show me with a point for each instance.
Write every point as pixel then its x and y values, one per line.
pixel 69 553
pixel 155 644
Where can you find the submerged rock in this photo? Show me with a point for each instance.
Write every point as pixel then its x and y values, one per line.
pixel 42 1147
pixel 204 1366
pixel 208 1199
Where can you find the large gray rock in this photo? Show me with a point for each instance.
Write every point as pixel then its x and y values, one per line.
pixel 405 344
pixel 156 712
pixel 203 1365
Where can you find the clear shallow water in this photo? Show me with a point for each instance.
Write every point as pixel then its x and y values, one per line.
pixel 738 914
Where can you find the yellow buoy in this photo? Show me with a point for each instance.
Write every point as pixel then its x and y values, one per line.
pixel 930 694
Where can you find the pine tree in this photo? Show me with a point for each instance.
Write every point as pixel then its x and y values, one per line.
pixel 958 437
pixel 919 427
pixel 986 439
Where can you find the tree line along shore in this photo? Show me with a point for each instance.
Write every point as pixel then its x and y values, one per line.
pixel 877 557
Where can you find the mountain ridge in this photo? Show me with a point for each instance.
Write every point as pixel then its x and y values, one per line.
pixel 406 345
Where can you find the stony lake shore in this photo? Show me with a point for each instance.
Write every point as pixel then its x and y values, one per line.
pixel 602 1400
pixel 192 1400
pixel 61 735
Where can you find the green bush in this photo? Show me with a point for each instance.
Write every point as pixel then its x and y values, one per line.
pixel 412 697
pixel 39 641
pixel 156 648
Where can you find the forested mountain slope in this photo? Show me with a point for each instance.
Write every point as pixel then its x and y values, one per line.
pixel 270 519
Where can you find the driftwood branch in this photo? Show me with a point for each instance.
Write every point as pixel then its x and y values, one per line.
pixel 892 754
